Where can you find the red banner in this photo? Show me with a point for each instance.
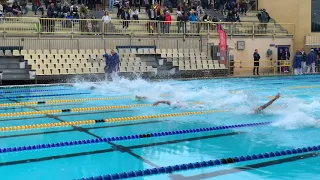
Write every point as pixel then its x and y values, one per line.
pixel 223 46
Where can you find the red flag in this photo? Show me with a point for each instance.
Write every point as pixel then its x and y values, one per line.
pixel 223 46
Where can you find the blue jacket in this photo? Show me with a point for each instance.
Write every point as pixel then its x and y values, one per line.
pixel 297 61
pixel 312 57
pixel 192 18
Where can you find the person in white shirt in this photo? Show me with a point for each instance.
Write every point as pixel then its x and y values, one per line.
pixel 135 14
pixel 106 20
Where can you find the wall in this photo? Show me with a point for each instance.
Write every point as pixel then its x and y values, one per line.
pixel 260 43
pixel 291 11
pixel 98 43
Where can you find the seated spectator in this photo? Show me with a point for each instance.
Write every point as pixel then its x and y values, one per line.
pixel 37 6
pixel 66 10
pixel 50 11
pixel 16 9
pixel 135 14
pixel 74 11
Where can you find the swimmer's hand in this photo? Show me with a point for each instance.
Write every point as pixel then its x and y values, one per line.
pixel 277 96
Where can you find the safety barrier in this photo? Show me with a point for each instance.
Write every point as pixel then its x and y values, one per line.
pixel 27 91
pixel 43 95
pixel 109 120
pixel 128 137
pixel 61 26
pixel 203 164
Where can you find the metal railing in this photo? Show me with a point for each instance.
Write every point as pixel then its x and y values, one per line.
pixel 267 66
pixel 43 26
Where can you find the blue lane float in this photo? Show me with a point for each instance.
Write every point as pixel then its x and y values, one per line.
pixel 42 95
pixel 129 137
pixel 30 86
pixel 203 164
pixel 37 90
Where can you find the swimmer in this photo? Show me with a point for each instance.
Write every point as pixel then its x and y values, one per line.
pixel 93 88
pixel 174 104
pixel 141 98
pixel 261 108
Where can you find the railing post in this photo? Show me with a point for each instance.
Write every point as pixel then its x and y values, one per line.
pixel 253 31
pixel 39 28
pixel 274 30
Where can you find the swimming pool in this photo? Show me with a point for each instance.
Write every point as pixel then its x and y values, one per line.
pixel 63 132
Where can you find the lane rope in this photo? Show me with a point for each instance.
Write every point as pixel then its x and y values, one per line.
pixel 36 90
pixel 128 137
pixel 203 164
pixel 42 95
pixel 57 111
pixel 67 101
pixel 30 86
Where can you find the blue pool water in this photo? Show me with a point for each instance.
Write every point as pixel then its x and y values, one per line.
pixel 294 125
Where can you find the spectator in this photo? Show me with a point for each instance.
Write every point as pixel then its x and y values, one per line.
pixel 193 22
pixel 50 11
pixel 135 14
pixel 311 61
pixel 37 6
pixel 1 10
pixel 125 16
pixel 167 22
pixel 303 61
pixel 256 58
pixel 200 11
pixel 91 4
pixel 16 9
pixel 74 11
pixel 184 20
pixel 65 10
pixel 57 11
pixel 111 4
pixel 83 11
pixel 280 61
pixel 244 7
pixel 287 58
pixel 106 20
pixel 98 5
pixel 297 63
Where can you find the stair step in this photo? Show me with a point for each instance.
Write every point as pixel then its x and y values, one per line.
pixel 14 71
pixel 15 77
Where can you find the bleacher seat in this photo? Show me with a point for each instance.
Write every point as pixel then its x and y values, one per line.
pixel 8 53
pixel 16 52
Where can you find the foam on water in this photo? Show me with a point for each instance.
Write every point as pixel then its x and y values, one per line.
pixel 295 113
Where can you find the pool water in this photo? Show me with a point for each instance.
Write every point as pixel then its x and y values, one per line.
pixel 293 116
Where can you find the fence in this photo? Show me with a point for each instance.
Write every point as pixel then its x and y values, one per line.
pixel 26 26
pixel 265 66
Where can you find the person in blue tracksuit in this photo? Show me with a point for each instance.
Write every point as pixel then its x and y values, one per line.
pixel 297 63
pixel 311 61
pixel 112 64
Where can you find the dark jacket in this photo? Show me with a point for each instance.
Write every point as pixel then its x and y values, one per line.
pixel 50 12
pixel 304 56
pixel 312 57
pixel 297 61
pixel 256 56
pixel 123 15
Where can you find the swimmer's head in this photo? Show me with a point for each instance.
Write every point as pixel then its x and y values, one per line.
pixel 92 88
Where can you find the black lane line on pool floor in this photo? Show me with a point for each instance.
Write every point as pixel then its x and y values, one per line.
pixel 80 129
pixel 248 167
pixel 119 148
pixel 88 128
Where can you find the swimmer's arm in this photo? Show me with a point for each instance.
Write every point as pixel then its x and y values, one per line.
pixel 162 102
pixel 259 109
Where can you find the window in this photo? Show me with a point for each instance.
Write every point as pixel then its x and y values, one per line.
pixel 315 16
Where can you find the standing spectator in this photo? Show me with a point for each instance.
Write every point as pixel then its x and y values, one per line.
pixel 303 61
pixel 184 20
pixel 135 14
pixel 111 4
pixel 125 16
pixel 311 61
pixel 193 22
pixel 244 6
pixel 297 63
pixel 106 20
pixel 256 58
pixel 167 21
pixel 280 61
pixel 287 58
pixel 200 11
